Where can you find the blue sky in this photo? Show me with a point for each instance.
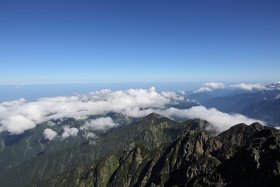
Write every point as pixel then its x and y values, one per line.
pixel 64 41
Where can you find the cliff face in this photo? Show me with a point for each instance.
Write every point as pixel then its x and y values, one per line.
pixel 241 156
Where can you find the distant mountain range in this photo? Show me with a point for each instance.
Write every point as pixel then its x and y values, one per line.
pixel 149 151
pixel 152 150
pixel 273 86
pixel 259 104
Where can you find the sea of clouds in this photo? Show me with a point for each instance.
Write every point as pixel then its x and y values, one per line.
pixel 18 116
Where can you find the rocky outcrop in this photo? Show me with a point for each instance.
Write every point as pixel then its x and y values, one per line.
pixel 241 156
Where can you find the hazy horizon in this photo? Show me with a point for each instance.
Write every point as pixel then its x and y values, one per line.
pixel 35 91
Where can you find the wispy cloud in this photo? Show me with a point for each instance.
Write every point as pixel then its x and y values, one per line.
pixel 203 89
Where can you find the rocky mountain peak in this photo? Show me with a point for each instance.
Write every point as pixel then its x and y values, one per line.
pixel 163 152
pixel 256 126
pixel 154 115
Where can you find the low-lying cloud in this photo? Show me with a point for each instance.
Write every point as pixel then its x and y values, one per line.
pixel 19 116
pixel 210 86
pixel 220 121
pixel 68 132
pixel 102 123
pixel 249 86
pixel 49 134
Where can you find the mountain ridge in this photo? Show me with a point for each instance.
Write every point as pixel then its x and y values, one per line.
pixel 154 150
pixel 196 158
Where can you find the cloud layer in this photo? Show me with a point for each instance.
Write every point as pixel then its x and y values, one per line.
pixel 220 121
pixel 19 116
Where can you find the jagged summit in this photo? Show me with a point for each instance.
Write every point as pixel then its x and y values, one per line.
pixel 257 126
pixel 153 115
pixel 242 134
pixel 151 151
pixel 194 159
pixel 197 124
pixel 154 119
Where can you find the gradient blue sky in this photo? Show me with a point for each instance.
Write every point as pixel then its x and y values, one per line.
pixel 64 41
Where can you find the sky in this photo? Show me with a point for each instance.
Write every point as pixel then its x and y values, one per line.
pixel 86 41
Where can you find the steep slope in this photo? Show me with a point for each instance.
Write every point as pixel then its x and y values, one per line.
pixel 61 156
pixel 241 156
pixel 267 110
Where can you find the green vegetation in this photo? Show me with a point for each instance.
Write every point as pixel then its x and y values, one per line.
pixel 152 151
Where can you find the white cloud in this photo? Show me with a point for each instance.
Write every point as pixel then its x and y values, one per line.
pixel 67 132
pixel 19 116
pixel 16 124
pixel 219 120
pixel 203 89
pixel 250 86
pixel 210 86
pixel 172 95
pixel 278 128
pixel 49 134
pixel 215 85
pixel 99 124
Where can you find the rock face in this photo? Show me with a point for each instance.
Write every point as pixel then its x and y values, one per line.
pixel 241 156
pixel 30 158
